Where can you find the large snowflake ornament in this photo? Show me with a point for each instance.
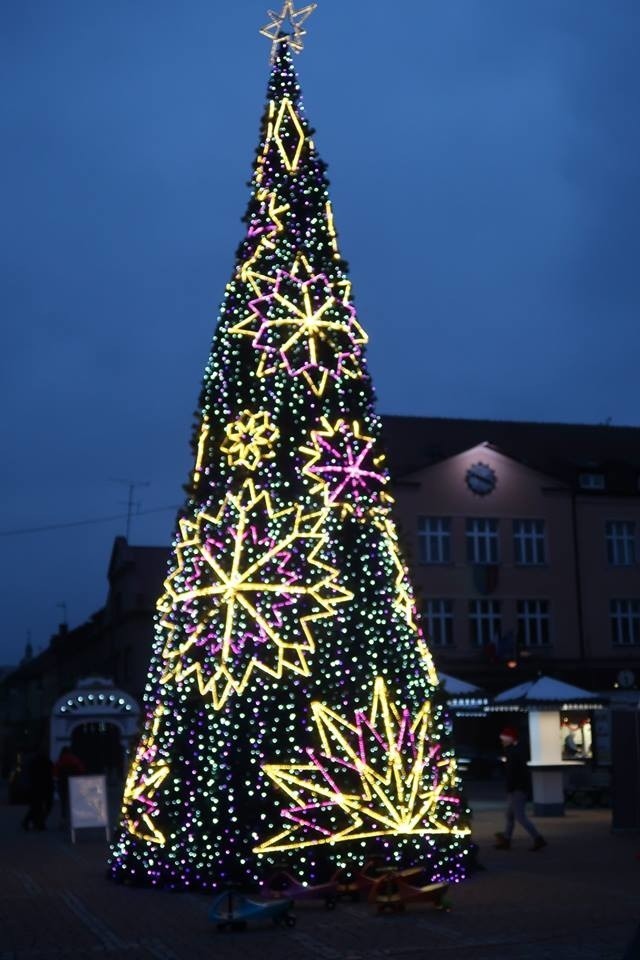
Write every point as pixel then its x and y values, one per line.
pixel 250 585
pixel 345 468
pixel 305 325
pixel 382 773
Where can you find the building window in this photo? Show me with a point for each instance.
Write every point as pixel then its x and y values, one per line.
pixel 621 543
pixel 625 622
pixel 434 536
pixel 482 541
pixel 485 622
pixel 529 542
pixel 438 622
pixel 533 623
pixel 591 481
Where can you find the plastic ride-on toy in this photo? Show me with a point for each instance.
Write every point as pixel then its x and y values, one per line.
pixel 392 891
pixel 281 883
pixel 233 911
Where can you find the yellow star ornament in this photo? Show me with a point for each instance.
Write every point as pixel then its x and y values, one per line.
pixel 382 774
pixel 274 30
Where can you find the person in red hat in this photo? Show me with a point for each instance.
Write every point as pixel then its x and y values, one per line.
pixel 517 782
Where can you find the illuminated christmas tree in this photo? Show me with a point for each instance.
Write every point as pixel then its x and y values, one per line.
pixel 292 709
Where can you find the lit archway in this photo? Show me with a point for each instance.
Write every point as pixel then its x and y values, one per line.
pixel 95 702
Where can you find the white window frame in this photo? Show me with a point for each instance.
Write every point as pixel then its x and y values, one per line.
pixel 438 621
pixel 620 536
pixel 485 622
pixel 434 538
pixel 529 540
pixel 624 616
pixel 483 545
pixel 534 623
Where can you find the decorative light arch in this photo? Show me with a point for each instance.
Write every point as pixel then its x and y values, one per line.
pixel 94 700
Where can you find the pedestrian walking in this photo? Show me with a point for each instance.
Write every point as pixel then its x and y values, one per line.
pixel 517 783
pixel 40 791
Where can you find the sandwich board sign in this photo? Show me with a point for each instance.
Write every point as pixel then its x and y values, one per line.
pixel 88 803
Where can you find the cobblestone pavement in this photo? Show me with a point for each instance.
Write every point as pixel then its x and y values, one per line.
pixel 578 898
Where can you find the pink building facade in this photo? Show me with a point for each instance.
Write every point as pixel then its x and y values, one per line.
pixel 523 567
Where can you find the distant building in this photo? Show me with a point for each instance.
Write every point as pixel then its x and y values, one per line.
pixel 523 540
pixel 115 642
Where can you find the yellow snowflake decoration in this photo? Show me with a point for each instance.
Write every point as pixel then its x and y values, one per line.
pixel 384 774
pixel 306 326
pixel 146 775
pixel 250 585
pixel 249 440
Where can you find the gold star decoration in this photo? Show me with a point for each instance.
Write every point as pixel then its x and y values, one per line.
pixel 250 584
pixel 382 774
pixel 288 15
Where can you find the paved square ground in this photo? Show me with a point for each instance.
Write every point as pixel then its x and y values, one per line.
pixel 577 898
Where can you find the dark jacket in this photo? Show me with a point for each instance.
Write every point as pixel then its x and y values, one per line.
pixel 516 771
pixel 41 778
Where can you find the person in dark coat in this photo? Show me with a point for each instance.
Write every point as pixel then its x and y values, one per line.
pixel 517 783
pixel 40 791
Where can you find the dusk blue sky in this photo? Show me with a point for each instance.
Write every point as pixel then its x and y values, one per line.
pixel 484 158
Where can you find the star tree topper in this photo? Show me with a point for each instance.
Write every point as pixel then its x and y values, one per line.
pixel 288 15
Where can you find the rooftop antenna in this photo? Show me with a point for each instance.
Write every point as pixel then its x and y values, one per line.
pixel 131 484
pixel 63 606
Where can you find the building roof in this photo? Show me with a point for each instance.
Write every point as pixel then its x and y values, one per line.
pixel 560 450
pixel 547 692
pixel 454 686
pixel 124 554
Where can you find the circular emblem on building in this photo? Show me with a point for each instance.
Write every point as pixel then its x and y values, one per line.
pixel 481 479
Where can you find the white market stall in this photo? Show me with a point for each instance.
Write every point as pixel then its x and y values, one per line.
pixel 544 700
